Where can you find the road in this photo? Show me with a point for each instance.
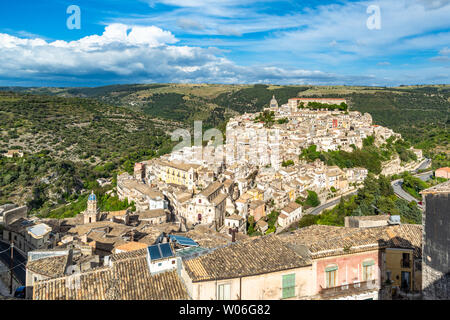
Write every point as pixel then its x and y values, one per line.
pixel 398 190
pixel 424 165
pixel 19 261
pixel 397 185
pixel 322 207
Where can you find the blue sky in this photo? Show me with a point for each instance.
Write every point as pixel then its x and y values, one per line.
pixel 224 41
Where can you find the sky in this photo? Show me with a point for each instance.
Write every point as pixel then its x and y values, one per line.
pixel 337 42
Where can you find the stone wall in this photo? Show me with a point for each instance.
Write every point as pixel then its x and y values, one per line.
pixel 436 247
pixel 14 215
pixel 394 166
pixel 436 284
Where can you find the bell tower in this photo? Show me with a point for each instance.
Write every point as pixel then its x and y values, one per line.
pixel 91 213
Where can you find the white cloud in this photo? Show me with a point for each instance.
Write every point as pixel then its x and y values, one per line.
pixel 445 51
pixel 189 24
pixel 134 54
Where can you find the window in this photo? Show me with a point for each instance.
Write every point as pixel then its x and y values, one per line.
pixel 288 288
pixel 223 291
pixel 406 263
pixel 368 270
pixel 330 276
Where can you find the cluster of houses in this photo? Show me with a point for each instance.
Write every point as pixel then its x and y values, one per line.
pixel 193 187
pixel 250 139
pixel 315 263
pixel 370 258
pixel 187 237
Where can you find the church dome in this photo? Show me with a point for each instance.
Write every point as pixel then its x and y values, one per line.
pixel 92 197
pixel 273 102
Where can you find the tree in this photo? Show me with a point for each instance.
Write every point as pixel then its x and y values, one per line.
pixel 307 220
pixel 313 199
pixel 287 163
pixel 250 225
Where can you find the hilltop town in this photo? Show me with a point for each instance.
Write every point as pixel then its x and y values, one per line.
pixel 258 170
pixel 202 211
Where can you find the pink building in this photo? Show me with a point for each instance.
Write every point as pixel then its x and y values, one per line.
pixel 443 173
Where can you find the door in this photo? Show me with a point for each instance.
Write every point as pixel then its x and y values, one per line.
pixel 406 280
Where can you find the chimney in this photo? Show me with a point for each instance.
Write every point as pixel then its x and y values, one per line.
pixel 233 234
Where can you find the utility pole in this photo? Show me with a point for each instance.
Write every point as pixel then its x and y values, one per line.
pixel 11 268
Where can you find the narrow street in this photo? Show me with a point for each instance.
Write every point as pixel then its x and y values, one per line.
pixel 19 261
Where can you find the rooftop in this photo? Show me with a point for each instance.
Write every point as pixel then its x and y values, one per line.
pixel 39 230
pixel 132 246
pixel 440 188
pixel 213 187
pixel 244 258
pixel 50 267
pixel 128 279
pixel 380 217
pixel 291 206
pixel 322 241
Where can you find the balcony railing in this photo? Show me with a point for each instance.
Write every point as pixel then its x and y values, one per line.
pixel 405 263
pixel 349 288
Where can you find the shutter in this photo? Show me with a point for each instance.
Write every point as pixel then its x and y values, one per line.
pixel 331 269
pixel 288 286
pixel 368 263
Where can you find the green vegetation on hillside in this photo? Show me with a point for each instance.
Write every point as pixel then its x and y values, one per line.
pixel 414 185
pixel 105 203
pixel 369 156
pixel 68 143
pixel 267 117
pixel 257 97
pixel 376 197
pixel 330 106
pixel 99 131
pixel 419 113
pixel 312 200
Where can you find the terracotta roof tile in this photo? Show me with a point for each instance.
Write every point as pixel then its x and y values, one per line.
pixel 49 267
pixel 127 279
pixel 244 258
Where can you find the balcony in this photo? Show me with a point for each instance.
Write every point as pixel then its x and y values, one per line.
pixel 348 289
pixel 405 263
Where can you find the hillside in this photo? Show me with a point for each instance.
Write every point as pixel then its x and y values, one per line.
pixel 73 136
pixel 68 144
pixel 419 113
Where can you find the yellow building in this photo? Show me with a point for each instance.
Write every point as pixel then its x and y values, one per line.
pixel 256 194
pixel 179 173
pixel 401 271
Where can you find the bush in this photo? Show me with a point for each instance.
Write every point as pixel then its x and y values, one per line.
pixel 308 220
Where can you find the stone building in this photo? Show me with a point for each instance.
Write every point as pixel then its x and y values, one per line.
pixel 207 207
pixel 90 215
pixel 443 173
pixel 436 242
